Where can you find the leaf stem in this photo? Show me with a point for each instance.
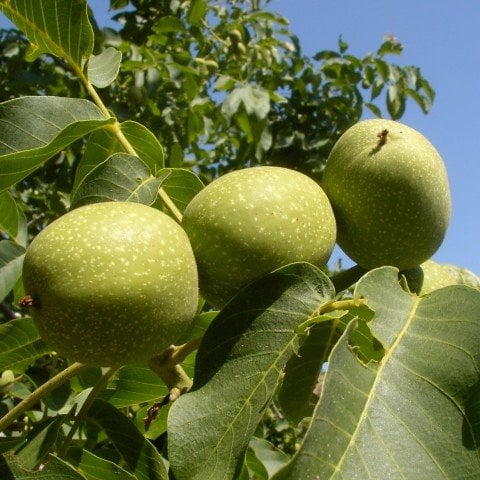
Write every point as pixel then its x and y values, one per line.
pixel 170 205
pixel 116 129
pixel 342 305
pixel 95 96
pixel 166 366
pixel 181 352
pixel 82 413
pixel 39 393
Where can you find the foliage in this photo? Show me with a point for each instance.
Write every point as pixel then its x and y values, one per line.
pixel 222 85
pixel 182 92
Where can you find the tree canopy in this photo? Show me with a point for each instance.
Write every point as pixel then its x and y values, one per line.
pixel 222 85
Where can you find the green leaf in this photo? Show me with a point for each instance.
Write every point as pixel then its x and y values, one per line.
pixel 255 100
pixel 40 441
pixel 197 11
pixel 54 469
pixel 122 178
pixel 104 143
pixel 296 397
pixel 395 101
pixel 382 69
pixel 411 415
pixel 342 45
pixel 11 261
pixel 20 345
pixel 428 90
pixel 100 145
pixel 59 27
pixel 374 109
pixel 180 185
pixel 34 129
pixel 133 385
pixel 12 220
pixel 146 145
pixel 96 468
pixel 103 68
pixel 391 46
pixel 270 457
pixel 254 467
pixel 10 443
pixel 141 457
pixel 168 24
pixel 210 427
pixel 175 159
pixel 224 82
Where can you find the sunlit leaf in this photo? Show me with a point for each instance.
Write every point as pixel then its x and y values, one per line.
pixel 409 415
pixel 146 145
pixel 197 11
pixel 210 427
pixel 34 129
pixel 181 186
pixel 59 27
pixel 101 144
pixel 270 457
pixel 395 101
pixel 103 68
pixel 256 101
pixel 122 177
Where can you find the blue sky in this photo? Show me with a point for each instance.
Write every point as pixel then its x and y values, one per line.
pixel 441 38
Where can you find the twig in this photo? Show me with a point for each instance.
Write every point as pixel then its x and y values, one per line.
pixel 39 393
pixel 82 413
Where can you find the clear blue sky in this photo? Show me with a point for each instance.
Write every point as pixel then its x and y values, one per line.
pixel 441 38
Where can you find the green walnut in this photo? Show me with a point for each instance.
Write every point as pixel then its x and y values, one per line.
pixel 111 283
pixel 389 190
pixel 249 222
pixel 431 275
